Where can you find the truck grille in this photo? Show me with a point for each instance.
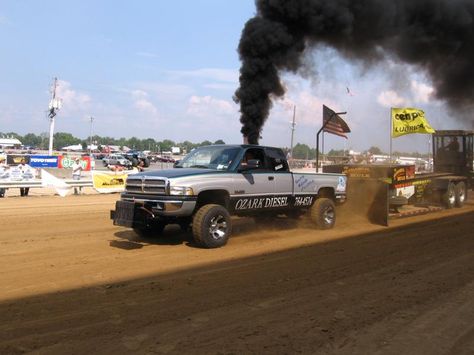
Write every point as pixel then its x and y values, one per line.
pixel 146 185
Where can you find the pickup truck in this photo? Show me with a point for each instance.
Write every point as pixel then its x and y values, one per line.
pixel 116 159
pixel 213 183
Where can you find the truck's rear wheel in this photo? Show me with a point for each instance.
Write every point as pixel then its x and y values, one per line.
pixel 323 213
pixel 212 226
pixel 150 231
pixel 460 194
pixel 448 199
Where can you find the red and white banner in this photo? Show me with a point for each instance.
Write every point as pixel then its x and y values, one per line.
pixel 65 162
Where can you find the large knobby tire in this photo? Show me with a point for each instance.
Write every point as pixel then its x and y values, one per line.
pixel 323 213
pixel 212 226
pixel 460 192
pixel 150 231
pixel 448 198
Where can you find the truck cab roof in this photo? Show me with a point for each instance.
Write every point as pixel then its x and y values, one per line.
pixel 230 157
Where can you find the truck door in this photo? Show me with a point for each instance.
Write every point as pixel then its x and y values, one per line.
pixel 252 186
pixel 282 177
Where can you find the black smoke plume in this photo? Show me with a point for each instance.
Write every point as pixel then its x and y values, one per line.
pixel 436 35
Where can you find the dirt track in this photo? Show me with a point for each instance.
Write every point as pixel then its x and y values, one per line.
pixel 73 283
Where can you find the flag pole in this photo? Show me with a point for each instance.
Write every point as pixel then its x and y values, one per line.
pixel 391 130
pixel 319 132
pixel 322 151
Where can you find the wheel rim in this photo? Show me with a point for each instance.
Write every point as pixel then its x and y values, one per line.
pixel 462 195
pixel 451 196
pixel 328 215
pixel 218 227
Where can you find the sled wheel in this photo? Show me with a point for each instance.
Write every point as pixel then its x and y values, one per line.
pixel 460 194
pixel 448 199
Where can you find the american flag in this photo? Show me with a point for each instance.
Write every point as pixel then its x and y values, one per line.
pixel 333 123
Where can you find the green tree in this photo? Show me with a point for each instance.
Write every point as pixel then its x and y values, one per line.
pixel 166 145
pixel 149 144
pixel 31 139
pixel 303 151
pixel 44 140
pixel 205 143
pixel 187 146
pixel 336 153
pixel 375 150
pixel 134 143
pixel 62 139
pixel 121 142
pixel 219 141
pixel 11 135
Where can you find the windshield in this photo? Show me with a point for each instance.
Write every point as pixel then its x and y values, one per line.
pixel 209 157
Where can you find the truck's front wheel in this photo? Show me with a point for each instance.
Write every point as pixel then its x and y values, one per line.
pixel 323 213
pixel 212 226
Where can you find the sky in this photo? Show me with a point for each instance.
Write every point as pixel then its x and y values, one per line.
pixel 169 69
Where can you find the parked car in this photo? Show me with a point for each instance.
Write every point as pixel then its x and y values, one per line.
pixel 116 159
pixel 136 156
pixel 165 159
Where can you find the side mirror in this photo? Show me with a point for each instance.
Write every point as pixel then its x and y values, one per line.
pixel 176 163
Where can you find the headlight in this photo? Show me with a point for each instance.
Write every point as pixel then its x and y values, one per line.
pixel 181 191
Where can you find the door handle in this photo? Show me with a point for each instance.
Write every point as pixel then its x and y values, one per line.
pixel 271 178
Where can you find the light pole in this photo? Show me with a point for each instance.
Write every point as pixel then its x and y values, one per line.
pixel 90 138
pixel 54 105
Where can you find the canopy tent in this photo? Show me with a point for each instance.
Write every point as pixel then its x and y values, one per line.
pixel 74 147
pixel 9 142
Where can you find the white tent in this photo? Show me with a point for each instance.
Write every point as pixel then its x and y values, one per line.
pixel 74 147
pixel 9 142
pixel 115 148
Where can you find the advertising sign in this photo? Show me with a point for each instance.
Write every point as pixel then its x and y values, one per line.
pixel 15 159
pixel 12 174
pixel 409 120
pixel 106 183
pixel 43 161
pixel 66 162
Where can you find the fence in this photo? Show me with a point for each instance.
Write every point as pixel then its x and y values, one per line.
pixel 39 183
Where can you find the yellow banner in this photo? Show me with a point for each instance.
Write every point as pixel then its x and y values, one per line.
pixel 409 120
pixel 105 183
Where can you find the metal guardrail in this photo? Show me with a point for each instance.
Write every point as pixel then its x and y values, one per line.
pixel 38 183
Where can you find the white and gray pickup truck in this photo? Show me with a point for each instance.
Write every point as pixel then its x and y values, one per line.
pixel 213 183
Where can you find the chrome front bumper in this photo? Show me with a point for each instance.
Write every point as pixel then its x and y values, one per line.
pixel 175 208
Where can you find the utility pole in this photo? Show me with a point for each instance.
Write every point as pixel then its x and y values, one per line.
pixel 293 124
pixel 54 105
pixel 90 139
